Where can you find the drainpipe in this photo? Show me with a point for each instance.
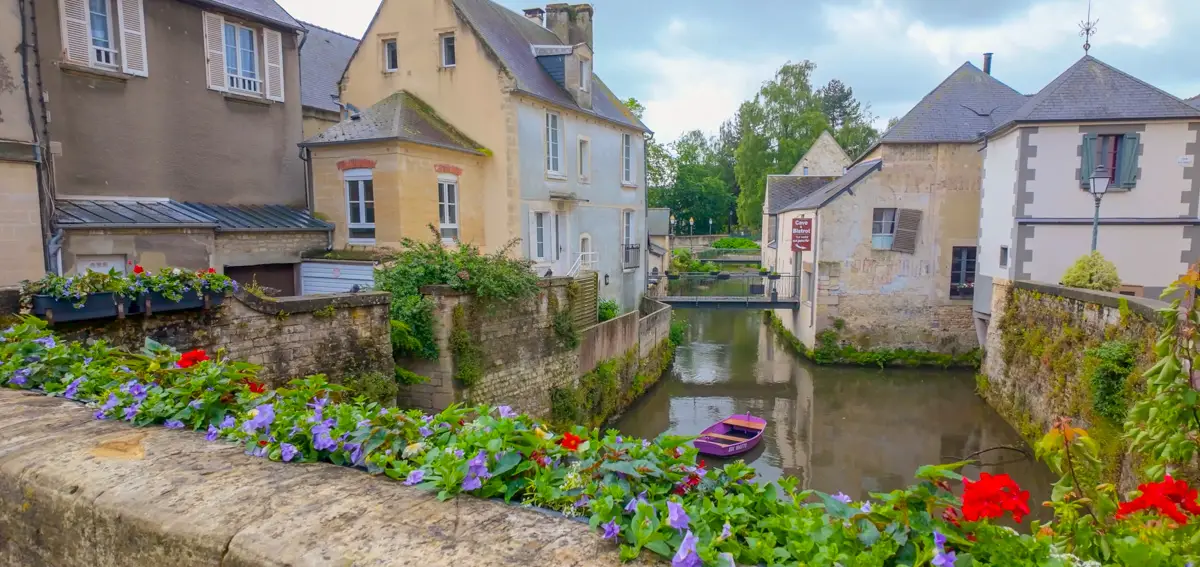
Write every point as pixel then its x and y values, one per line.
pixel 41 157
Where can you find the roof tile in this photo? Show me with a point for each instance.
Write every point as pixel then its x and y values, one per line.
pixel 783 190
pixel 265 10
pixel 323 57
pixel 401 116
pixel 966 104
pixel 831 190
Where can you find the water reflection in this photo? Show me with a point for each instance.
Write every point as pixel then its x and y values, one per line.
pixel 849 429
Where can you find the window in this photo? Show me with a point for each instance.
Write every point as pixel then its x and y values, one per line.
pixel 448 57
pixel 772 230
pixel 585 160
pixel 241 59
pixel 585 75
pixel 100 17
pixel 806 285
pixel 1003 256
pixel 538 236
pixel 553 148
pixel 883 229
pixel 962 272
pixel 633 251
pixel 360 206
pixel 587 258
pixel 1117 153
pixel 627 159
pixel 448 207
pixel 391 58
pixel 806 170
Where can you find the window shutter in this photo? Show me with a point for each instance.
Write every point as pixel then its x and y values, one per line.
pixel 1129 160
pixel 133 37
pixel 273 55
pixel 76 35
pixel 1088 160
pixel 908 223
pixel 214 52
pixel 532 236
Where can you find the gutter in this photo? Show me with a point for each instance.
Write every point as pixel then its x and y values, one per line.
pixel 389 139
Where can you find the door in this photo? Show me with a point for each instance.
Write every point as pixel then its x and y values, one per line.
pixel 562 259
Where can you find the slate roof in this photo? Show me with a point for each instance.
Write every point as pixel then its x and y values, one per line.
pixel 968 103
pixel 1194 101
pixel 262 10
pixel 323 58
pixel 511 36
pixel 831 190
pixel 783 190
pixel 1094 90
pixel 167 213
pixel 403 117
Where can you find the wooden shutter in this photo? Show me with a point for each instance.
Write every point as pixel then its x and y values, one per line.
pixel 908 224
pixel 214 52
pixel 273 56
pixel 133 37
pixel 76 34
pixel 1087 161
pixel 1128 163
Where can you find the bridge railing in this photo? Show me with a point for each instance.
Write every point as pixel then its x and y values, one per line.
pixel 714 253
pixel 701 284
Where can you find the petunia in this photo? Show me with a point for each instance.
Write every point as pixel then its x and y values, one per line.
pixel 611 529
pixel 174 424
pixel 725 531
pixel 135 389
pixel 686 555
pixel 287 451
pixel 425 431
pixel 20 377
pixel 228 422
pixel 47 342
pixel 676 516
pixel 261 417
pixel 842 497
pixel 507 412
pixel 470 483
pixel 195 404
pixel 414 478
pixel 213 433
pixel 943 559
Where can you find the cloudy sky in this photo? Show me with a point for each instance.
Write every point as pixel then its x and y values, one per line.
pixel 692 62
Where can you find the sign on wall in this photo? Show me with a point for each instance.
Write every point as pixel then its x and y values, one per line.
pixel 802 235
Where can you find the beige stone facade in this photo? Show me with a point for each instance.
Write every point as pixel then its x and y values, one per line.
pixel 20 206
pixel 187 248
pixel 826 157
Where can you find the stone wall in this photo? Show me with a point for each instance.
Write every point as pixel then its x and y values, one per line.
pixel 1037 367
pixel 290 337
pixel 608 340
pixel 262 247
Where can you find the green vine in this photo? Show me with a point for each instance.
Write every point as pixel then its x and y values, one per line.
pixel 325 312
pixel 563 321
pixel 468 356
pixel 1115 365
pixel 831 349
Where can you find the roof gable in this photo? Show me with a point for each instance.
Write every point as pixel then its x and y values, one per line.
pixel 966 104
pixel 833 189
pixel 783 190
pixel 323 58
pixel 824 140
pixel 401 117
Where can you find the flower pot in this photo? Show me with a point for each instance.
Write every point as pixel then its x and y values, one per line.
pixel 774 276
pixel 763 272
pixel 722 276
pixel 153 302
pixel 96 306
pixel 671 276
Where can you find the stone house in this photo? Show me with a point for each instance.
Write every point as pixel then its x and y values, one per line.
pixel 1037 211
pixel 323 58
pixel 892 248
pixel 1194 101
pixel 658 234
pixel 825 158
pixel 170 129
pixel 514 137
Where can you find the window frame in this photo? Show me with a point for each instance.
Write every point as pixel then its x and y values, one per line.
pixel 628 240
pixel 583 153
pixel 585 74
pixel 962 277
pixel 805 170
pixel 1003 257
pixel 453 51
pixel 1102 157
pixel 231 79
pixel 391 60
pixel 95 50
pixel 540 239
pixel 554 151
pixel 772 230
pixel 627 159
pixel 447 185
pixel 878 238
pixel 359 176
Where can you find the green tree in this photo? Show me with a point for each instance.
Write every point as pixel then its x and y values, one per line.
pixel 660 165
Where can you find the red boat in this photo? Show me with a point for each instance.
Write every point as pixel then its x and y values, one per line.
pixel 733 435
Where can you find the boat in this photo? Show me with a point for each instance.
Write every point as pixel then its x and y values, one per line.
pixel 733 435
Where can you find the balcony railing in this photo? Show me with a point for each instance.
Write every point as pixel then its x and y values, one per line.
pixel 244 84
pixel 104 57
pixel 632 257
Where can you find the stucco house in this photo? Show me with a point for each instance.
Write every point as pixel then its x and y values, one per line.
pixel 891 247
pixel 1037 211
pixel 323 58
pixel 170 131
pixel 491 126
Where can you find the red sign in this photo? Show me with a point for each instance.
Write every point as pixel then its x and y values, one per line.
pixel 802 235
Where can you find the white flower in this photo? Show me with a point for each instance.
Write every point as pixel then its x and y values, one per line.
pixel 176 271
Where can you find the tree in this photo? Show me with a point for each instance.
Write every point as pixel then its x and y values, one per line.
pixel 892 122
pixel 660 166
pixel 837 101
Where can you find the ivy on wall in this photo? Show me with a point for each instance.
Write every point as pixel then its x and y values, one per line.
pixel 832 349
pixel 468 356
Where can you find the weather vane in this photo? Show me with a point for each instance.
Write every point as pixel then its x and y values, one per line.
pixel 1087 29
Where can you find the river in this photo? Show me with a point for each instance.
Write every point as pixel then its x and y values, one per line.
pixel 854 430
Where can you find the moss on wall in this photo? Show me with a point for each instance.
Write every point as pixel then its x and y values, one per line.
pixel 610 388
pixel 832 348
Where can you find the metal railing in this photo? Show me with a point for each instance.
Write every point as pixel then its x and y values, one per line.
pixel 584 261
pixel 740 284
pixel 245 84
pixel 632 257
pixel 104 56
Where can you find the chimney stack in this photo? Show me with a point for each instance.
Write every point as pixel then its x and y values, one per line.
pixel 987 63
pixel 571 23
pixel 536 15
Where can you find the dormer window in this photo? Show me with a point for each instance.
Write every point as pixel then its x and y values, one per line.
pixel 585 75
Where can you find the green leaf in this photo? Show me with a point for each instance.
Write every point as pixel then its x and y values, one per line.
pixel 941 472
pixel 835 507
pixel 868 534
pixel 507 462
pixel 625 467
pixel 660 547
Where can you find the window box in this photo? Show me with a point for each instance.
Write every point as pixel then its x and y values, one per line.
pixel 774 277
pixel 722 276
pixel 672 276
pixel 97 306
pixel 154 302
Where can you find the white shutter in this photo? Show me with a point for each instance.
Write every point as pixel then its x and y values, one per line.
pixel 532 236
pixel 214 52
pixel 76 35
pixel 133 37
pixel 273 55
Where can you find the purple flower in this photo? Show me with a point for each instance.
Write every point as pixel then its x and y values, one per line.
pixel 135 389
pixel 866 508
pixel 323 442
pixel 631 507
pixel 72 388
pixel 131 411
pixel 619 439
pixel 645 444
pixel 686 556
pixel 356 452
pixel 87 360
pixel 725 531
pixel 195 404
pixel 213 433
pixel 726 559
pixel 426 418
pixel 470 483
pixel 676 516
pixel 583 501
pixel 258 452
pixel 287 451
pixel 444 425
pixel 425 431
pixel 228 422
pixel 943 559
pixel 20 377
pixel 842 497
pixel 478 465
pixel 363 423
pixel 611 529
pixel 174 424
pixel 47 342
pixel 507 412
pixel 112 402
pixel 261 417
pixel 414 478
pixel 939 539
pixel 458 453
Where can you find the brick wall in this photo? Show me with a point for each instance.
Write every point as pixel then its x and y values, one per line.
pixel 337 335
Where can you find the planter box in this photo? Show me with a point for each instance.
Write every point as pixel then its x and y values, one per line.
pixel 671 276
pixel 160 304
pixel 722 276
pixel 774 276
pixel 97 306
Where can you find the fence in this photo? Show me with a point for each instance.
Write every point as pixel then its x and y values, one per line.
pixel 695 284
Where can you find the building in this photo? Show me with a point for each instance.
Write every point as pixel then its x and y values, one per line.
pixel 172 129
pixel 21 223
pixel 1194 101
pixel 1037 210
pixel 323 58
pixel 490 126
pixel 782 191
pixel 824 158
pixel 658 233
pixel 885 254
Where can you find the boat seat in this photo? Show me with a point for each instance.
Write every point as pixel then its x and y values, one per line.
pixel 726 437
pixel 744 424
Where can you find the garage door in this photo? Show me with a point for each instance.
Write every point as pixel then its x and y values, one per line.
pixel 335 277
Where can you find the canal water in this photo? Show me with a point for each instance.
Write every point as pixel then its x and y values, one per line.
pixel 854 430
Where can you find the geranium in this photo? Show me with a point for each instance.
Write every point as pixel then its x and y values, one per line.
pixel 255 387
pixel 138 269
pixel 190 358
pixel 993 495
pixel 1164 497
pixel 570 441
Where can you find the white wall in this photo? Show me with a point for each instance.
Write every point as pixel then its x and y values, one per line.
pixel 996 222
pixel 1145 255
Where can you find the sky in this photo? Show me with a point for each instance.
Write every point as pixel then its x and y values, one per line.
pixel 691 63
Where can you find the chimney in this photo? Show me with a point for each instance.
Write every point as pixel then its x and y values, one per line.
pixel 987 63
pixel 571 23
pixel 536 15
pixel 558 20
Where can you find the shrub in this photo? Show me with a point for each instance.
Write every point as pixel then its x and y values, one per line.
pixel 735 242
pixel 678 332
pixel 1092 271
pixel 683 260
pixel 373 387
pixel 1108 379
pixel 608 309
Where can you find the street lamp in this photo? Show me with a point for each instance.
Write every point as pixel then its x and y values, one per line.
pixel 692 225
pixel 710 226
pixel 1097 187
pixel 672 224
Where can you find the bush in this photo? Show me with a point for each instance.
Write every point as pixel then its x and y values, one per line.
pixel 684 261
pixel 678 332
pixel 736 243
pixel 1092 271
pixel 608 309
pixel 1116 362
pixel 373 387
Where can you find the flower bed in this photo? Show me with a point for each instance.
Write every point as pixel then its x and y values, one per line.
pixel 97 295
pixel 641 495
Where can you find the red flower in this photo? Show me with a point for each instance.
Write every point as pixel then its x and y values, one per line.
pixel 262 443
pixel 1165 497
pixel 187 359
pixel 539 458
pixel 570 441
pixel 212 270
pixel 681 489
pixel 138 269
pixel 951 515
pixel 993 495
pixel 255 387
pixel 693 480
